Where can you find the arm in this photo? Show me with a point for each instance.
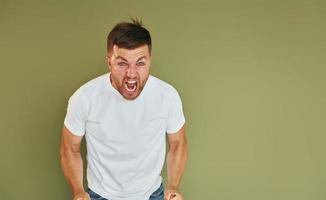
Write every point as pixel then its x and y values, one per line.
pixel 72 163
pixel 176 161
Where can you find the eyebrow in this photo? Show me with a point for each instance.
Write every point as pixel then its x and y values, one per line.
pixel 141 58
pixel 122 58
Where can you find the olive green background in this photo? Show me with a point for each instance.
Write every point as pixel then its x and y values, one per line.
pixel 251 75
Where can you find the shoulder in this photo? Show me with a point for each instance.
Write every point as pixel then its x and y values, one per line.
pixel 164 91
pixel 162 85
pixel 92 86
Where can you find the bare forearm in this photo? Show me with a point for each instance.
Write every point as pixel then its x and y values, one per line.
pixel 72 166
pixel 176 162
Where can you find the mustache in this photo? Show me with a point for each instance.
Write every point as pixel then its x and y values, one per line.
pixel 128 79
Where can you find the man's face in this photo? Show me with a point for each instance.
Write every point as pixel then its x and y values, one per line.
pixel 129 70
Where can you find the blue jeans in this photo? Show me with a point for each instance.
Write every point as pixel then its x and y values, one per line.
pixel 157 195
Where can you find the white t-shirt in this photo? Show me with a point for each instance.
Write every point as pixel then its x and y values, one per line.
pixel 125 139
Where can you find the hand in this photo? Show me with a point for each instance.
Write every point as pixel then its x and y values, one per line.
pixel 82 196
pixel 172 194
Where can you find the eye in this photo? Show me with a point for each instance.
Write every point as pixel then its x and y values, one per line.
pixel 140 64
pixel 122 64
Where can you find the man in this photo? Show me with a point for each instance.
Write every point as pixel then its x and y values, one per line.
pixel 125 116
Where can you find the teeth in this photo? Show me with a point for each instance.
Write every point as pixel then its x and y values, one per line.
pixel 132 86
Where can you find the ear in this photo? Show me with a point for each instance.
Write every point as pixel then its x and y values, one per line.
pixel 108 61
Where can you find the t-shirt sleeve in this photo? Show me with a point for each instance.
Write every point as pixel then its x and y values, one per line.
pixel 176 118
pixel 76 113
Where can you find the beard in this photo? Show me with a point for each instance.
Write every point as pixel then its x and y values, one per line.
pixel 129 88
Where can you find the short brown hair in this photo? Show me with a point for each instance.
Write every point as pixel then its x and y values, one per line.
pixel 129 35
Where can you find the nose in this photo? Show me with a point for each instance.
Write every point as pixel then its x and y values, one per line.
pixel 131 72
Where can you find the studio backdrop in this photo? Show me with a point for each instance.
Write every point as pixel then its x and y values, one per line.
pixel 251 75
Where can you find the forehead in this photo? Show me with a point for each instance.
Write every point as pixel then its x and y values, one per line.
pixel 131 54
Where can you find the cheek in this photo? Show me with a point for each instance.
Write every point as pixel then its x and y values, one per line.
pixel 119 73
pixel 143 75
pixel 143 72
pixel 118 76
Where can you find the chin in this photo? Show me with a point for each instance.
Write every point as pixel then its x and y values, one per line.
pixel 128 96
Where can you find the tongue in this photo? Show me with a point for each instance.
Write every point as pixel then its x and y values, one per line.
pixel 131 85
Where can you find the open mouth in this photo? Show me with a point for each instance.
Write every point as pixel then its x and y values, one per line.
pixel 131 85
